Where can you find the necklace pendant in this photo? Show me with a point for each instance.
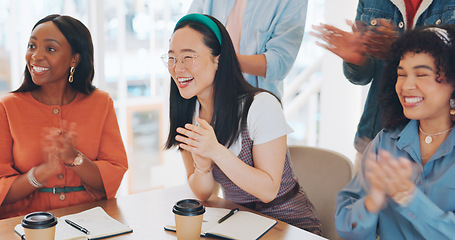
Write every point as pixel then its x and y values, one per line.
pixel 428 139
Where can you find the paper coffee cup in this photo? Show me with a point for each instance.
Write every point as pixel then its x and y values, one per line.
pixel 188 218
pixel 39 226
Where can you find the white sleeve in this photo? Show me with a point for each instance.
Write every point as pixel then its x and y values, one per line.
pixel 266 120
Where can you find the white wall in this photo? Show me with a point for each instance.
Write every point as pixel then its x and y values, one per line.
pixel 341 101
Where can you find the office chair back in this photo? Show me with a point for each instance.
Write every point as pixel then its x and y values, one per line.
pixel 322 173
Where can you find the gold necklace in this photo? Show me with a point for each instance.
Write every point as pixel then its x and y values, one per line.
pixel 429 137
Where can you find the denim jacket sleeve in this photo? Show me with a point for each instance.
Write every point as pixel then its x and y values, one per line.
pixel 360 75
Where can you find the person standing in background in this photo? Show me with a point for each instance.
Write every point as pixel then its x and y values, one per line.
pixel 378 24
pixel 266 34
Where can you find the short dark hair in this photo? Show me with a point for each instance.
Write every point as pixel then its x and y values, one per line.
pixel 80 40
pixel 233 95
pixel 422 40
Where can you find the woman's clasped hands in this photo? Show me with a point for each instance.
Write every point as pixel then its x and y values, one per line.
pixel 201 141
pixel 58 147
pixel 388 177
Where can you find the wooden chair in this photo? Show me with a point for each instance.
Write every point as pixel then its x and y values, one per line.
pixel 322 173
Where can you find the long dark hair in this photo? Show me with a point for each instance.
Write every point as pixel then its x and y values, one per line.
pixel 423 40
pixel 80 40
pixel 233 95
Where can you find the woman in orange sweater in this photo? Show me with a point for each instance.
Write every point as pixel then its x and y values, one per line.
pixel 60 144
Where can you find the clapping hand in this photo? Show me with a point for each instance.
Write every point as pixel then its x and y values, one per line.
pixel 201 141
pixel 377 190
pixel 398 173
pixel 347 45
pixel 378 39
pixel 353 47
pixel 388 177
pixel 58 145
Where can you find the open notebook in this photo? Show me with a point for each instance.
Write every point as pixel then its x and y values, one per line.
pixel 242 225
pixel 96 220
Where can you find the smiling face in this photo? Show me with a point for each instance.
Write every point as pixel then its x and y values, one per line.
pixel 192 79
pixel 421 96
pixel 49 55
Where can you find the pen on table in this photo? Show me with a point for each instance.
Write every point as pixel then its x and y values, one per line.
pixel 75 225
pixel 228 215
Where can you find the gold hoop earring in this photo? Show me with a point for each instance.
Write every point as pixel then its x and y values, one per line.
pixel 70 79
pixel 452 108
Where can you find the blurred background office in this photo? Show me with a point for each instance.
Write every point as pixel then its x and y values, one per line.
pixel 129 37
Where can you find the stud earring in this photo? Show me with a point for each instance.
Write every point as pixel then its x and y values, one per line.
pixel 70 79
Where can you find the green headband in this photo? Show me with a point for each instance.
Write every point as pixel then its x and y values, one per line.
pixel 204 20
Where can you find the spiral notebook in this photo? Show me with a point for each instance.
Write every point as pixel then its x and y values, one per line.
pixel 241 225
pixel 96 220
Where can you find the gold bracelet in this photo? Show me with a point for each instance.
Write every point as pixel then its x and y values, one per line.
pixel 202 171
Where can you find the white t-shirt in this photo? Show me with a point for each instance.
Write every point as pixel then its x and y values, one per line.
pixel 265 121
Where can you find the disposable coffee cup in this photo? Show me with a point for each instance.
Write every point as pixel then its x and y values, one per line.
pixel 188 218
pixel 39 226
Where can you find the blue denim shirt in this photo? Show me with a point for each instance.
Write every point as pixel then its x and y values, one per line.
pixel 270 27
pixel 436 12
pixel 430 215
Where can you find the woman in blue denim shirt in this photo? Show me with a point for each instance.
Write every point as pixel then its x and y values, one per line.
pixel 405 187
pixel 365 66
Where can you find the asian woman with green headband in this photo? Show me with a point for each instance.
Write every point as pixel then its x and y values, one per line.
pixel 227 130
